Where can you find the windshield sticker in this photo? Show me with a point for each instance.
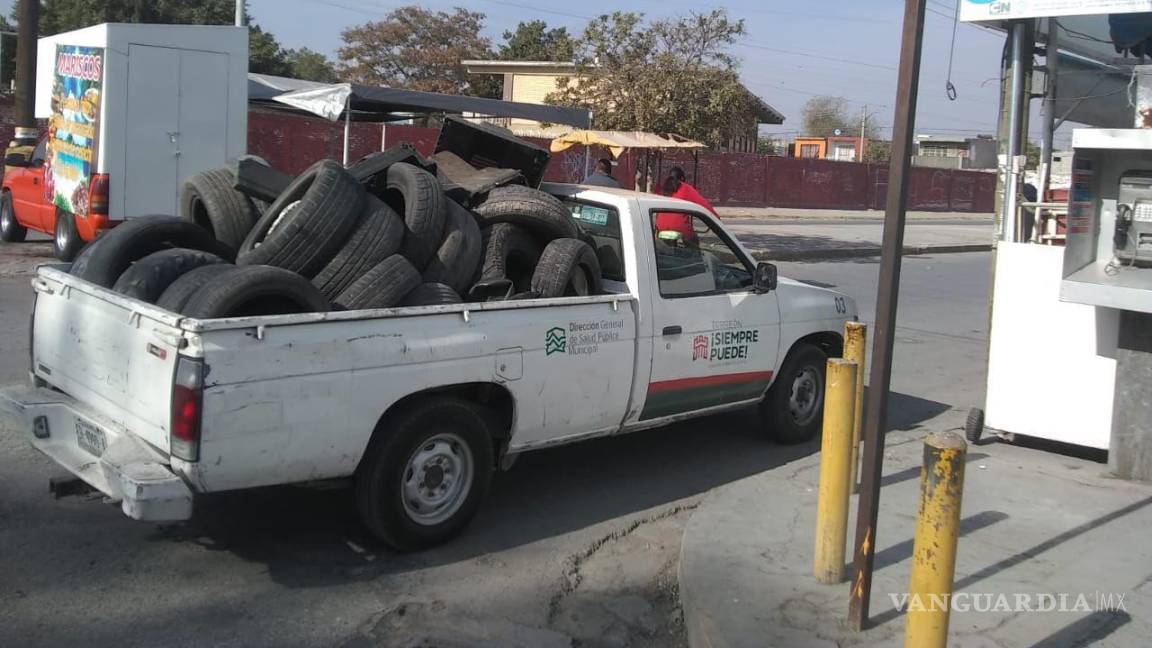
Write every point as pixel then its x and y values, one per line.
pixel 581 338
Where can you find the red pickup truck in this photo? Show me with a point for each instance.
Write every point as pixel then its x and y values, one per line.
pixel 26 204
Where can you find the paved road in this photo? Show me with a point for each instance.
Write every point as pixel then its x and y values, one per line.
pixel 580 540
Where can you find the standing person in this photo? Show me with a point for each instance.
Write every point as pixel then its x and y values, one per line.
pixel 675 186
pixel 601 175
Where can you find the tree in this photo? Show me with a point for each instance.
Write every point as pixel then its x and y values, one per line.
pixel 414 48
pixel 878 151
pixel 533 41
pixel 823 115
pixel 671 75
pixel 265 54
pixel 310 65
pixel 8 62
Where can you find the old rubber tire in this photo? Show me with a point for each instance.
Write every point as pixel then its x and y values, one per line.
pixel 11 231
pixel 511 253
pixel 103 261
pixel 209 199
pixel 66 241
pixel 308 223
pixel 431 294
pixel 425 472
pixel 974 426
pixel 255 290
pixel 381 287
pixel 567 268
pixel 149 277
pixel 458 258
pixel 537 211
pixel 377 236
pixel 176 296
pixel 416 195
pixel 794 405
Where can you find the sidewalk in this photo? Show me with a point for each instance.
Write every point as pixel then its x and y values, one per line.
pixel 788 213
pixel 1032 522
pixel 792 241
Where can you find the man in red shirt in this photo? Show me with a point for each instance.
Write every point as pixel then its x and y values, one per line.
pixel 676 187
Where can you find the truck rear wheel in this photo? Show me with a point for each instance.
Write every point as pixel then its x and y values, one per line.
pixel 425 473
pixel 794 406
pixel 66 241
pixel 11 231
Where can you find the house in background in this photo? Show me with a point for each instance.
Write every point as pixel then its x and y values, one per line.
pixel 842 148
pixel 947 152
pixel 533 81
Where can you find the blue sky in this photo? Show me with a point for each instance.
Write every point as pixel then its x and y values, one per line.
pixel 793 50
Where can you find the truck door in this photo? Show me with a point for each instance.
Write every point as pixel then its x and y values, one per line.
pixel 715 340
pixel 29 200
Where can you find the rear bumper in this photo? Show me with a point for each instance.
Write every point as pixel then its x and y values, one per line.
pixel 128 470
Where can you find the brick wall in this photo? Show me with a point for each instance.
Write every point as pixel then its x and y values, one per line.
pixel 292 143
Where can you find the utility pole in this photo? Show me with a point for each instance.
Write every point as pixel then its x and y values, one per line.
pixel 29 16
pixel 1048 110
pixel 887 296
pixel 239 13
pixel 863 125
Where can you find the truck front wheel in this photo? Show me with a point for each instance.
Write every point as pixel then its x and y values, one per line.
pixel 794 406
pixel 425 473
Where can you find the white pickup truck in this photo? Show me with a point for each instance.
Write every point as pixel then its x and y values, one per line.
pixel 422 404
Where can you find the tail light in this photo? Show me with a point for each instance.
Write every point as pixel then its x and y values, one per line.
pixel 187 400
pixel 98 195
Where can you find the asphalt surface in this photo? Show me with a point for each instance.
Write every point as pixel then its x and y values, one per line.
pixel 291 566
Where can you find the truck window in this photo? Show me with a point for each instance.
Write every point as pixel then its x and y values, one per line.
pixel 693 258
pixel 602 224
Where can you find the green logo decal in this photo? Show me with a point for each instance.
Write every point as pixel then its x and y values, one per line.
pixel 556 341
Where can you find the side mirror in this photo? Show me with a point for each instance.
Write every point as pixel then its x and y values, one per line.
pixel 15 160
pixel 764 279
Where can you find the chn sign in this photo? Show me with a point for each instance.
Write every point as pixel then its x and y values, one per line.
pixel 977 10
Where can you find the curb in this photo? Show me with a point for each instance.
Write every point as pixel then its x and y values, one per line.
pixel 860 252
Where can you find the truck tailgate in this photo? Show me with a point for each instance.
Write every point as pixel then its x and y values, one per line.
pixel 114 354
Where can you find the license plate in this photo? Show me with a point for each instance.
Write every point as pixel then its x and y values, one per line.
pixel 90 437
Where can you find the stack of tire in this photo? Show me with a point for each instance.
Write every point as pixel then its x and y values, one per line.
pixel 329 242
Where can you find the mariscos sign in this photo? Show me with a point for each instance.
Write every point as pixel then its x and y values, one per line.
pixel 977 10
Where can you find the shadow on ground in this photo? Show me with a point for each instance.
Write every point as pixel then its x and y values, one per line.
pixel 309 536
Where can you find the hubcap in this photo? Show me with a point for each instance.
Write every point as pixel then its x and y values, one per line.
pixel 6 220
pixel 805 395
pixel 437 479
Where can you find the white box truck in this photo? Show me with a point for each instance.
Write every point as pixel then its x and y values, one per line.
pixel 132 111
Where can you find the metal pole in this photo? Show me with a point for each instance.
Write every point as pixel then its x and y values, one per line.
pixel 934 546
pixel 347 125
pixel 1048 110
pixel 876 411
pixel 239 13
pixel 835 458
pixel 29 14
pixel 855 339
pixel 863 125
pixel 1016 107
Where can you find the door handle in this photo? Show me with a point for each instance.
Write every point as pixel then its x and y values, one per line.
pixel 673 330
pixel 35 180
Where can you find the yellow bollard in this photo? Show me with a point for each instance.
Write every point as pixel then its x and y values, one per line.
pixel 934 550
pixel 835 454
pixel 855 340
